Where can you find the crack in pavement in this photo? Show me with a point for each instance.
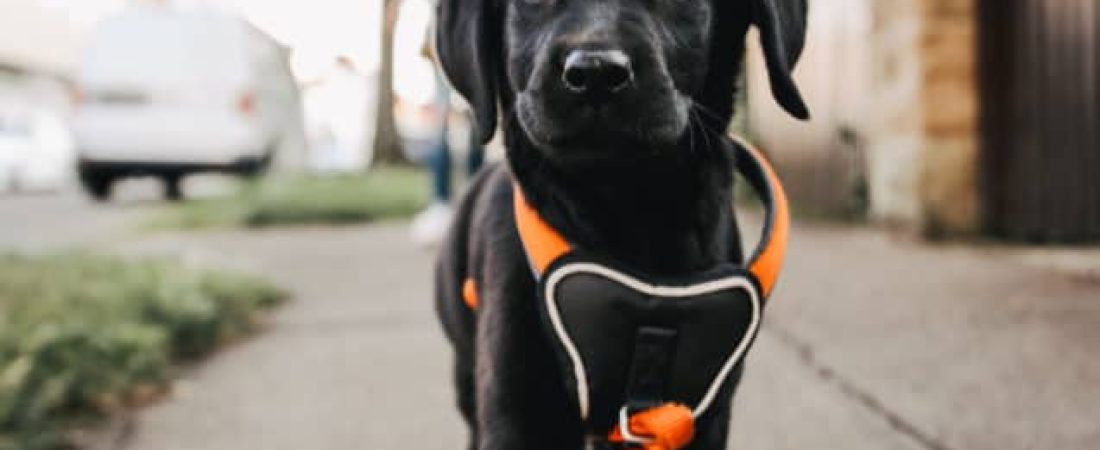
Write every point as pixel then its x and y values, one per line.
pixel 807 356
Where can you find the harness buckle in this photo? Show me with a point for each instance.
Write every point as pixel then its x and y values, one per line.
pixel 669 426
pixel 624 429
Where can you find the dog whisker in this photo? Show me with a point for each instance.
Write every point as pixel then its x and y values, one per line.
pixel 691 135
pixel 700 112
pixel 703 109
pixel 697 120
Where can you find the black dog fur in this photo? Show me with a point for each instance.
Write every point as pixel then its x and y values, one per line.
pixel 645 178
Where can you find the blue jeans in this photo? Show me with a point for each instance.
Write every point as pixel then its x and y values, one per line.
pixel 439 164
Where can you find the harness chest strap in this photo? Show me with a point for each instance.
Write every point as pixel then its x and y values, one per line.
pixel 544 245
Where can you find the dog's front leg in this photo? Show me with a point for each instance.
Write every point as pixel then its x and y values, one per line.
pixel 499 374
pixel 521 401
pixel 495 378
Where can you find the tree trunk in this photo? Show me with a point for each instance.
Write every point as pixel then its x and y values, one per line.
pixel 387 142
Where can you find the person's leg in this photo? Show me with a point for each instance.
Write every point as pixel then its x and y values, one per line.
pixel 431 224
pixel 439 164
pixel 475 157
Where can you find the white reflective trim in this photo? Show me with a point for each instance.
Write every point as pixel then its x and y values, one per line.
pixel 737 281
pixel 624 429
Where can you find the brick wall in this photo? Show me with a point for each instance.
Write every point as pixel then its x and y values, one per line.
pixel 924 135
pixel 911 101
pixel 894 131
pixel 948 186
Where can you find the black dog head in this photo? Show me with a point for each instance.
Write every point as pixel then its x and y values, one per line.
pixel 590 78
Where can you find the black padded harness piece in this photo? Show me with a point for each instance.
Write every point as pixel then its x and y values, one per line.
pixel 626 343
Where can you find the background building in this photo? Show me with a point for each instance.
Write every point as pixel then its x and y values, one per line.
pixel 948 116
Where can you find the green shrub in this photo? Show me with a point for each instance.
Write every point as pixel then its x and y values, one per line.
pixel 381 194
pixel 83 334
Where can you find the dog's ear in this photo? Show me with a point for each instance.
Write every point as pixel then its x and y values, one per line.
pixel 782 25
pixel 468 43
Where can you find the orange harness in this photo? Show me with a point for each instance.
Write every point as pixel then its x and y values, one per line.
pixel 580 295
pixel 544 244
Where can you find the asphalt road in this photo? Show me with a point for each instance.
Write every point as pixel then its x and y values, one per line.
pixel 48 220
pixel 872 342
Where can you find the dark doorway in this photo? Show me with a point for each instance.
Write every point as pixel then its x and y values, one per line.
pixel 1040 80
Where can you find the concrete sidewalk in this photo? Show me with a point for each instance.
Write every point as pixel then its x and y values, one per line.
pixel 953 347
pixel 871 343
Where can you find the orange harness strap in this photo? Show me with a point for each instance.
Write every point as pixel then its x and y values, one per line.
pixel 469 294
pixel 768 260
pixel 543 244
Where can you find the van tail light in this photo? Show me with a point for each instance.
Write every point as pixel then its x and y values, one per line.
pixel 246 104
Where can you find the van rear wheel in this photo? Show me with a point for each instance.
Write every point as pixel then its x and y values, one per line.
pixel 97 184
pixel 173 187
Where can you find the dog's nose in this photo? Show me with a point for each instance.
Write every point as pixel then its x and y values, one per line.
pixel 597 71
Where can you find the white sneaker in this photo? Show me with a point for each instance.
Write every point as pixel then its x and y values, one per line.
pixel 430 225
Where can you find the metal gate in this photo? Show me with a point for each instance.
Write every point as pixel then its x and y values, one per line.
pixel 1040 81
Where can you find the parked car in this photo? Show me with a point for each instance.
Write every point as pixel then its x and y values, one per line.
pixel 35 149
pixel 169 93
pixel 14 138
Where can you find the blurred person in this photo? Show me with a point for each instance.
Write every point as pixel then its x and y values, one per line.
pixel 431 224
pixel 337 110
pixel 428 120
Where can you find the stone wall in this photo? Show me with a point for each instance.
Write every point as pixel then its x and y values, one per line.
pixel 949 173
pixel 906 90
pixel 895 131
pixel 924 138
pixel 820 159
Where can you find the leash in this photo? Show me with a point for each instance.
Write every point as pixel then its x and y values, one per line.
pixel 583 296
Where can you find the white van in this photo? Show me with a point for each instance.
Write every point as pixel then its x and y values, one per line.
pixel 168 93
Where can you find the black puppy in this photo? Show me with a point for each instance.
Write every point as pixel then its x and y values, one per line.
pixel 613 114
